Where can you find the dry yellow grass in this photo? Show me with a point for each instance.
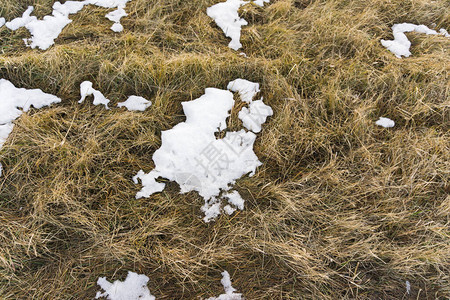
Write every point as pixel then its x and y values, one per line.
pixel 340 209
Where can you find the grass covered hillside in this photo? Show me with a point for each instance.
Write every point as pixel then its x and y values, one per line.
pixel 339 209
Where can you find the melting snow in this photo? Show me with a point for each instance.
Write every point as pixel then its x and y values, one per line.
pixel 226 16
pixel 133 288
pixel 21 21
pixel 115 16
pixel 385 122
pixel 408 287
pixel 87 90
pixel 257 115
pixel 246 89
pixel 44 32
pixel 229 290
pixel 235 200
pixel 192 156
pixel 135 103
pixel 400 45
pixel 444 32
pixel 13 99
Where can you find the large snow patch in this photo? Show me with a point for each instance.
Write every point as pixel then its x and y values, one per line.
pixel 192 156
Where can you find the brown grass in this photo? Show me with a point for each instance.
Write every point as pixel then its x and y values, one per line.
pixel 340 209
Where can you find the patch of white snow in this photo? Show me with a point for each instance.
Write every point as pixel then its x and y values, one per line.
pixel 86 89
pixel 115 16
pixel 246 89
pixel 261 2
pixel 5 130
pixel 44 32
pixel 133 288
pixel 235 201
pixel 408 287
pixel 444 32
pixel 192 156
pixel 229 289
pixel 400 45
pixel 256 115
pixel 226 16
pixel 135 103
pixel 385 122
pixel 22 21
pixel 2 22
pixel 14 101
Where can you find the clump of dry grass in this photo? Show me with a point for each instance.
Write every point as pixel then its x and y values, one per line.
pixel 340 209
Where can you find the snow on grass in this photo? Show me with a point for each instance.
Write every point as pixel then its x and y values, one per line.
pixel 2 22
pixel 400 45
pixel 44 32
pixel 246 89
pixel 115 16
pixel 135 103
pixel 229 290
pixel 444 32
pixel 192 156
pixel 14 101
pixel 21 21
pixel 256 115
pixel 385 122
pixel 133 288
pixel 87 90
pixel 226 16
pixel 235 200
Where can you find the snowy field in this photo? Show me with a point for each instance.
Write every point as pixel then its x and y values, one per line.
pixel 288 149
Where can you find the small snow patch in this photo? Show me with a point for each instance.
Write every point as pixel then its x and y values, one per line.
pixel 226 16
pixel 408 287
pixel 133 288
pixel 115 16
pixel 135 103
pixel 2 22
pixel 247 90
pixel 229 290
pixel 444 32
pixel 256 115
pixel 400 45
pixel 87 90
pixel 385 122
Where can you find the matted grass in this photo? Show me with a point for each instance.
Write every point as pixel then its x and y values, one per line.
pixel 340 208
